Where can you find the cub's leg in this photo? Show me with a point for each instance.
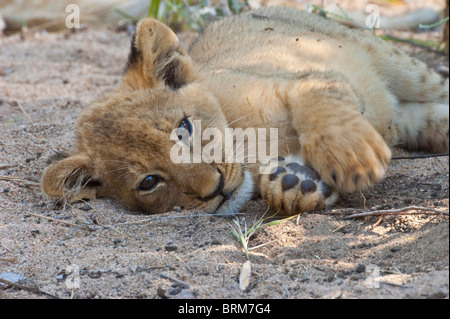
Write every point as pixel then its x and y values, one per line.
pixel 422 116
pixel 335 138
pixel 406 77
pixel 423 126
pixel 294 188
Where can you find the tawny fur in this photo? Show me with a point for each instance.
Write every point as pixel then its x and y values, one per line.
pixel 340 99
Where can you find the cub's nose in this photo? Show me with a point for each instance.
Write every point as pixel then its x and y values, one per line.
pixel 218 191
pixel 199 180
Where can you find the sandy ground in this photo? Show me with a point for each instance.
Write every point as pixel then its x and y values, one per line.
pixel 102 250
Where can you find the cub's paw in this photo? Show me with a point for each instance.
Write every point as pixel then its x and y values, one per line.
pixel 348 159
pixel 295 188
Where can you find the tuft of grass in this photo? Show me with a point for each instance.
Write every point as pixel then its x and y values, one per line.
pixel 153 9
pixel 126 15
pixel 237 6
pixel 434 25
pixel 427 45
pixel 183 15
pixel 244 233
pixel 320 11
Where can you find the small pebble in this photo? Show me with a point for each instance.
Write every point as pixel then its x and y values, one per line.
pixel 86 207
pixel 35 232
pixel 175 291
pixel 360 268
pixel 170 247
pixel 60 277
pixel 161 292
pixel 443 70
pixel 95 274
pixel 8 71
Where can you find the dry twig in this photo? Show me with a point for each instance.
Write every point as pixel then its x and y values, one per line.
pixel 60 221
pixel 419 156
pixel 16 179
pixel 34 290
pixel 26 114
pixel 410 210
pixel 5 166
pixel 147 220
pixel 176 281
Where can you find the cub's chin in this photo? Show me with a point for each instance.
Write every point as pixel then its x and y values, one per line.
pixel 234 202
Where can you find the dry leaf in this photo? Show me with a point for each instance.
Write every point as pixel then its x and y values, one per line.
pixel 245 276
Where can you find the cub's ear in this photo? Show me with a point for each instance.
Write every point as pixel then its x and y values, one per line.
pixel 156 57
pixel 70 177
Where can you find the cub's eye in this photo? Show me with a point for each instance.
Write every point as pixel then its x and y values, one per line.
pixel 149 182
pixel 184 129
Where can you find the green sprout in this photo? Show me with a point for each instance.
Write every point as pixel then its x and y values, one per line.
pixel 244 233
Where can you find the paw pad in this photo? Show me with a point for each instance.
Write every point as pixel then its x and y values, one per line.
pixel 289 181
pixel 308 186
pixel 326 190
pixel 305 170
pixel 277 172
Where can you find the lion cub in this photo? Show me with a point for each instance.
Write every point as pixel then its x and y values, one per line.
pixel 338 97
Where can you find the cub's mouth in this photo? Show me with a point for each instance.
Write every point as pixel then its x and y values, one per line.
pixel 233 202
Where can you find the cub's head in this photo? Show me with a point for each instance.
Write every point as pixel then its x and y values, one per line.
pixel 125 140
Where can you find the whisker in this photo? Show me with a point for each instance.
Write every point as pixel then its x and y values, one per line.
pixel 116 161
pixel 247 148
pixel 127 172
pixel 117 169
pixel 242 117
pixel 244 150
